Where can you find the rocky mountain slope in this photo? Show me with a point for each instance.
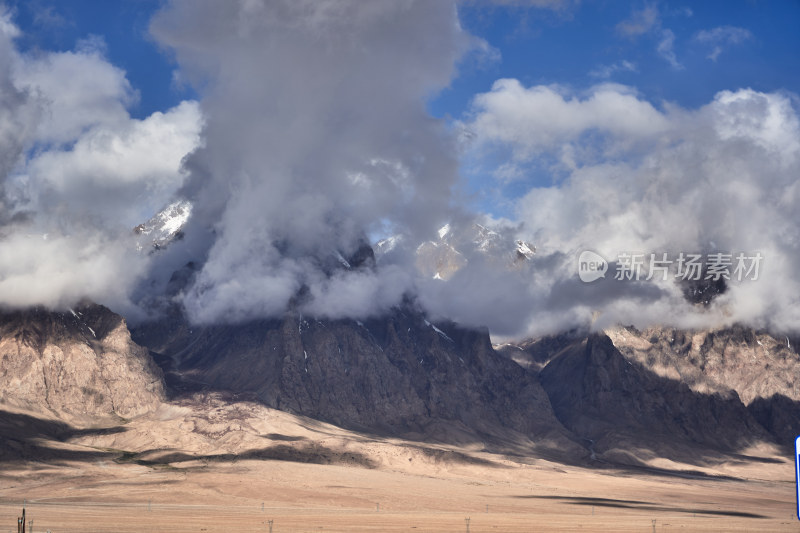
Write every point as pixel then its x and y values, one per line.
pixel 626 389
pixel 753 363
pixel 78 364
pixel 762 369
pixel 397 375
pixel 620 396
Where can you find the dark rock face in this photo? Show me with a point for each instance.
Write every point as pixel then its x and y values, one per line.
pixel 402 375
pixel 619 397
pixel 81 362
pixel 534 354
pixel 780 416
pixel 596 391
pixel 397 374
pixel 665 387
pixel 703 291
pixel 753 363
pixel 363 257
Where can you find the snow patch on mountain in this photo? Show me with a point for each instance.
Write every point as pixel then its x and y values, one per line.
pixel 526 250
pixel 342 260
pixel 164 227
pixel 458 245
pixel 384 246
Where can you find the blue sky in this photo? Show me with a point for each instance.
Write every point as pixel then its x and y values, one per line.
pixel 570 46
pixel 122 25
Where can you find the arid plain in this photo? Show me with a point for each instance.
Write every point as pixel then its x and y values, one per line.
pixel 239 465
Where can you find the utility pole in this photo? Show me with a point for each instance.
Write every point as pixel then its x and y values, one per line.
pixel 270 525
pixel 467 521
pixel 21 520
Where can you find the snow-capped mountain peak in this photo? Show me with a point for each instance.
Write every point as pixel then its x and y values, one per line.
pixel 525 250
pixel 164 227
pixel 457 245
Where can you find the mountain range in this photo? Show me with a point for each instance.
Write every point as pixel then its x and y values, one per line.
pixel 616 397
pixel 621 396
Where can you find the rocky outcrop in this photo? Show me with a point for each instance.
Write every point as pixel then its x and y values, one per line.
pixel 753 363
pixel 618 404
pixel 78 363
pixel 664 390
pixel 398 374
pixel 780 416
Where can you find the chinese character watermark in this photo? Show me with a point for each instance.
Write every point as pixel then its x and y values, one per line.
pixel 683 266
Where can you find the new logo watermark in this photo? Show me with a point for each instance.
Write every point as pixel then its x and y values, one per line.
pixel 683 266
pixel 591 266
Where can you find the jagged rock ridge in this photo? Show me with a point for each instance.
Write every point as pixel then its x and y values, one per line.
pixel 77 363
pixel 398 374
pixel 631 389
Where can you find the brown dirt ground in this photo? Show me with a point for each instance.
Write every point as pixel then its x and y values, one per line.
pixel 420 488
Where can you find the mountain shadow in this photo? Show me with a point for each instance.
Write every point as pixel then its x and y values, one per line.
pixel 25 438
pixel 627 414
pixel 395 375
pixel 780 416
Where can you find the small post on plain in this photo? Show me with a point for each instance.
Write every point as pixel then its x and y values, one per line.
pixel 467 521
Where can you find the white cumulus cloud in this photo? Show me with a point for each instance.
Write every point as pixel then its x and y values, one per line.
pixel 721 178
pixel 77 173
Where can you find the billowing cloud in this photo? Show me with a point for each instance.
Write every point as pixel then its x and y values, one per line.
pixel 75 103
pixel 722 178
pixel 124 171
pixel 59 269
pixel 317 137
pixel 19 113
pixel 541 118
pixel 313 137
pixel 77 173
